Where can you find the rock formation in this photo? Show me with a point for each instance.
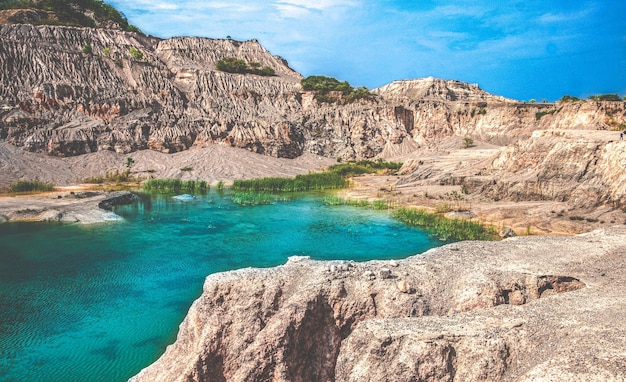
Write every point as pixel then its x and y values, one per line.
pixel 522 309
pixel 57 99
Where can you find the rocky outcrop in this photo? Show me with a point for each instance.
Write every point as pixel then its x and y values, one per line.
pixel 117 199
pixel 519 309
pixel 171 99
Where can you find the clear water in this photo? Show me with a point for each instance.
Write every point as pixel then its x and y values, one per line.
pixel 100 302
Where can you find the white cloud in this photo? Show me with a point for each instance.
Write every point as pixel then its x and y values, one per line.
pixel 555 18
pixel 455 10
pixel 318 4
pixel 291 11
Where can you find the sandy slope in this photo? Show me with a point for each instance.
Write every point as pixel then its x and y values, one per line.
pixel 213 163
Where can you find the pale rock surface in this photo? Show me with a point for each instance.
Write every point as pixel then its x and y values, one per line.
pixel 524 309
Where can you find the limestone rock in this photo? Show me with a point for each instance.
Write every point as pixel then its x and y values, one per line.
pixel 384 273
pixel 507 232
pixel 117 198
pixel 403 286
pixel 519 309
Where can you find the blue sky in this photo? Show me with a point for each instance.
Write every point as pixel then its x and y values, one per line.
pixel 518 49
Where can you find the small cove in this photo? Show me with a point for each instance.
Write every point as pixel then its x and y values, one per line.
pixel 99 302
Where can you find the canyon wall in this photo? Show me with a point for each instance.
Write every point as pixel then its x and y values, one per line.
pixel 58 100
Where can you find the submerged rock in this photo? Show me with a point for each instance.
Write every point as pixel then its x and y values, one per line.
pixel 184 197
pixel 119 198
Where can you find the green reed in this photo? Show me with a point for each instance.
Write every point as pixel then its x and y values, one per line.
pixel 30 186
pixel 176 185
pixel 446 229
pixel 306 182
pixel 252 198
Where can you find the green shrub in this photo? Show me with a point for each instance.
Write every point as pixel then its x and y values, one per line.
pixel 325 84
pixel 365 166
pixel 324 87
pixel 106 51
pixel 569 98
pixel 30 185
pixel 87 49
pixel 605 97
pixel 220 185
pixel 136 53
pixel 186 168
pixel 235 65
pixel 232 65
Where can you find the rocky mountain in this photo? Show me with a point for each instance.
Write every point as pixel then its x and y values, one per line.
pixel 69 91
pixel 524 309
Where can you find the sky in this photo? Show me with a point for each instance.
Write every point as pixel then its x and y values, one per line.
pixel 518 49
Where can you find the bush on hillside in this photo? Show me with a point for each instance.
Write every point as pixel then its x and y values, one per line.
pixel 73 15
pixel 235 65
pixel 324 87
pixel 605 97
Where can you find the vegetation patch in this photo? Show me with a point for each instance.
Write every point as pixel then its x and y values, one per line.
pixel 352 168
pixel 136 53
pixel 569 98
pixel 444 228
pixel 606 97
pixel 116 176
pixel 235 65
pixel 252 198
pixel 540 114
pixel 331 90
pixel 307 182
pixel 30 186
pixel 374 205
pixel 176 185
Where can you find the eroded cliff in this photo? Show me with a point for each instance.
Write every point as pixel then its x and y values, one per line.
pixel 61 99
pixel 514 310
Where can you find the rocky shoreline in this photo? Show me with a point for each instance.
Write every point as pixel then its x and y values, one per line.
pixel 523 309
pixel 86 207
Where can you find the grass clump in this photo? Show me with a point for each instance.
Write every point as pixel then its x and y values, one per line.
pixel 30 186
pixel 352 168
pixel 444 228
pixel 307 182
pixel 176 185
pixel 374 205
pixel 116 176
pixel 252 198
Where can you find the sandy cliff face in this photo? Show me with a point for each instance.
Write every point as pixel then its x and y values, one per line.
pixel 58 100
pixel 61 101
pixel 514 310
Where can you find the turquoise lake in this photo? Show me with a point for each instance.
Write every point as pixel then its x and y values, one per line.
pixel 100 302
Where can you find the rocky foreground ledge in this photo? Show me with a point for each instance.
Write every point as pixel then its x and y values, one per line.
pixel 523 309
